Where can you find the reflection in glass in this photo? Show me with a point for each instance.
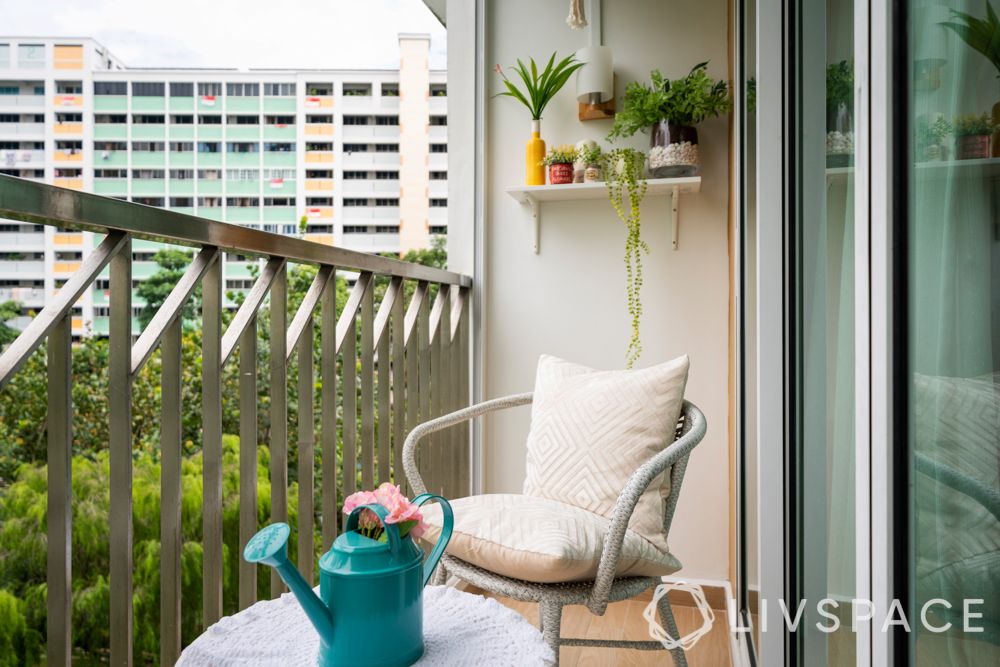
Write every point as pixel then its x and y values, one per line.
pixel 953 337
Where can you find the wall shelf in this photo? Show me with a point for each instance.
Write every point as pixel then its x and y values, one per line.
pixel 532 196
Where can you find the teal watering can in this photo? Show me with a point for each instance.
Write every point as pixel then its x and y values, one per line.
pixel 369 612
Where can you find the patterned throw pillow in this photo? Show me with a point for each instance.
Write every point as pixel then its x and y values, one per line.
pixel 591 430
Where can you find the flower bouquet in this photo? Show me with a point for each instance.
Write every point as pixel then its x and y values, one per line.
pixel 402 512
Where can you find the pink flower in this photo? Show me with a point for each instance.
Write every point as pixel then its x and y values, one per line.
pixel 400 510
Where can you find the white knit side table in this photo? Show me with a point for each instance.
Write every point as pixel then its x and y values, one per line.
pixel 459 629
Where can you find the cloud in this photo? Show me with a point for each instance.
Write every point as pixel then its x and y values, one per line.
pixel 238 33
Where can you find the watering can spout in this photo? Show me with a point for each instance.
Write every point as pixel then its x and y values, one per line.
pixel 269 546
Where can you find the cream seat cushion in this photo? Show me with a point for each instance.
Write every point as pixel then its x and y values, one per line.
pixel 541 540
pixel 591 430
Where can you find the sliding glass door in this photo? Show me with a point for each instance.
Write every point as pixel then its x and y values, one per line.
pixel 952 335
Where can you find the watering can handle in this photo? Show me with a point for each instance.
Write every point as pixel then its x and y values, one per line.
pixel 391 530
pixel 446 528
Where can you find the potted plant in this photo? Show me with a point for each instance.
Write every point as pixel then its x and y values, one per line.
pixel 982 35
pixel 839 111
pixel 591 157
pixel 931 132
pixel 670 110
pixel 560 163
pixel 972 134
pixel 538 90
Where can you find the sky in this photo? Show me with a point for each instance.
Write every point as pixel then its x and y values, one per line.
pixel 349 34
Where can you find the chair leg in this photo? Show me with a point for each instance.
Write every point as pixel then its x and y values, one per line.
pixel 667 618
pixel 550 618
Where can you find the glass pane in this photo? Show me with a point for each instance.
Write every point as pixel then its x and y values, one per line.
pixel 823 329
pixel 953 248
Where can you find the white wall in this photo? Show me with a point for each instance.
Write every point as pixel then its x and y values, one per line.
pixel 570 299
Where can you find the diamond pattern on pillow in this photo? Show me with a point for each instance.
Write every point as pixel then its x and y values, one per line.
pixel 591 430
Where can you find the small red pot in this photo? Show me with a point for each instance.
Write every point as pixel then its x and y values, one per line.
pixel 560 174
pixel 974 147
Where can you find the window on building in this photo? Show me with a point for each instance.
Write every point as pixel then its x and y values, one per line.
pixel 243 202
pixel 273 147
pixel 146 174
pixel 110 173
pixel 319 229
pixel 210 174
pixel 242 174
pixel 355 229
pixel 209 89
pixel 110 88
pixel 182 174
pixel 148 119
pixel 356 148
pixel 279 89
pixel 5 55
pixel 439 90
pixel 386 148
pixel 242 147
pixel 386 229
pixel 439 203
pixel 243 89
pixel 390 90
pixel 387 175
pixel 68 172
pixel 10 90
pixel 181 89
pixel 357 120
pixel 148 89
pixel 149 201
pixel 209 147
pixel 181 202
pixel 181 146
pixel 354 201
pixel 209 119
pixel 318 118
pixel 357 90
pixel 209 202
pixel 181 119
pixel 69 87
pixel 439 175
pixel 387 202
pixel 319 89
pixel 319 146
pixel 31 56
pixel 355 175
pixel 438 229
pixel 110 118
pixel 439 120
pixel 62 117
pixel 242 119
pixel 285 174
pixel 279 120
pixel 387 120
pixel 109 146
pixel 320 173
pixel 279 201
pixel 148 146
pixel 319 201
pixel 439 148
pixel 70 147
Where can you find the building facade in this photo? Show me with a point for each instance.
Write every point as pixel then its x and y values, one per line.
pixel 355 158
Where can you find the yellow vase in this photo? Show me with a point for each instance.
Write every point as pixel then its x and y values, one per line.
pixel 534 153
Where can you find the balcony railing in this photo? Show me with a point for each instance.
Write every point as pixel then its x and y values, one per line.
pixel 406 360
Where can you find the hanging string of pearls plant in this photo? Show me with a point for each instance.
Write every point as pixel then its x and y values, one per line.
pixel 623 169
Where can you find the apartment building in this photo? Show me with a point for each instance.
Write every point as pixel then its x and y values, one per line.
pixel 355 158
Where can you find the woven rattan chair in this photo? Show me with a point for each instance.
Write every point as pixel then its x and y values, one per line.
pixel 605 588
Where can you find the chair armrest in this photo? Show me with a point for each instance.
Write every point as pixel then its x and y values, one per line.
pixel 676 454
pixel 443 422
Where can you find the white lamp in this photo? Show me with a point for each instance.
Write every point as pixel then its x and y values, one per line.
pixel 595 81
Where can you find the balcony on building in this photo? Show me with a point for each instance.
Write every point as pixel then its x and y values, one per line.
pixel 19 126
pixel 318 97
pixel 19 95
pixel 356 95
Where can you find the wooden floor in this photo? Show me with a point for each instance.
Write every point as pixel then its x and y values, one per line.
pixel 624 620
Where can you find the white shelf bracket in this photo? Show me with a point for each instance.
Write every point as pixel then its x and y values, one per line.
pixel 533 205
pixel 675 196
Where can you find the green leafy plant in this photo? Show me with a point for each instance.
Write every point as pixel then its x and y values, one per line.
pixel 972 125
pixel 981 35
pixel 623 177
pixel 539 88
pixel 591 155
pixel 565 154
pixel 685 101
pixel 840 84
pixel 932 133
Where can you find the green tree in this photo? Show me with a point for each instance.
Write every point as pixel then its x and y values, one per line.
pixel 8 311
pixel 155 289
